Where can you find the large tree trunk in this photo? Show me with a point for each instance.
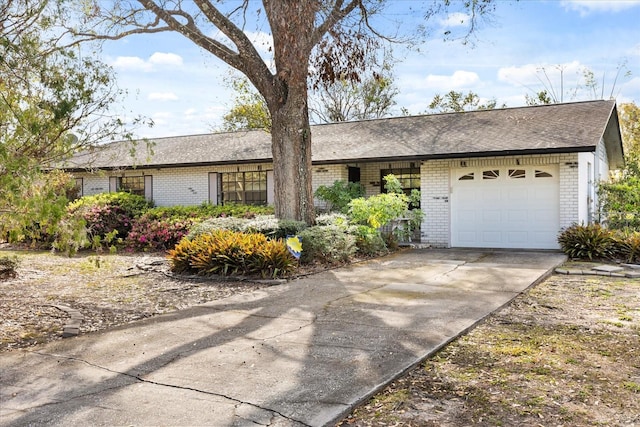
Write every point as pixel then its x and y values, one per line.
pixel 291 24
pixel 291 148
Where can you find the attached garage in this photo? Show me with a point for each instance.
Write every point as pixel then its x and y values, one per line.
pixel 505 207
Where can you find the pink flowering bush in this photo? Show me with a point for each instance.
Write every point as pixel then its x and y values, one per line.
pixel 153 233
pixel 104 219
pixel 108 217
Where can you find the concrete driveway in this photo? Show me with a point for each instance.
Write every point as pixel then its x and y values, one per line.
pixel 303 353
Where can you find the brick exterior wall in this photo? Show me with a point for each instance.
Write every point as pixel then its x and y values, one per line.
pixel 327 175
pixel 171 186
pixel 435 190
pixel 569 194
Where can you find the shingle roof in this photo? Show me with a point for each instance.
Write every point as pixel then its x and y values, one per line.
pixel 555 128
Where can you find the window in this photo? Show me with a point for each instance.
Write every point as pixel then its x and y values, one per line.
pixel 543 174
pixel 491 174
pixel 467 177
pixel 78 189
pixel 131 184
pixel 517 173
pixel 409 179
pixel 247 188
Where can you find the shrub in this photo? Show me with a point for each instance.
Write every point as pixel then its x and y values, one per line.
pixel 107 215
pixel 369 241
pixel 627 246
pixel 8 266
pixel 334 218
pixel 150 233
pixel 71 235
pixel 327 244
pixel 264 224
pixel 227 252
pixel 620 202
pixel 133 205
pixel 208 210
pixel 378 210
pixel 102 220
pixel 288 227
pixel 339 194
pixel 587 241
pixel 214 224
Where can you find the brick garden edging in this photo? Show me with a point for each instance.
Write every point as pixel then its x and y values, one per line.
pixel 604 270
pixel 72 327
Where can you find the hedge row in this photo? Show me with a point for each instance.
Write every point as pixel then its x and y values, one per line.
pixel 124 220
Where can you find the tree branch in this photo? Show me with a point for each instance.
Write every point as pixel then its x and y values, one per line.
pixel 252 64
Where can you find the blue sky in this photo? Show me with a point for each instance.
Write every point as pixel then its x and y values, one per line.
pixel 181 87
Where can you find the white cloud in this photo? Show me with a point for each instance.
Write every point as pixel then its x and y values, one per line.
pixel 457 19
pixel 134 63
pixel 631 86
pixel 458 80
pixel 162 96
pixel 586 7
pixel 158 59
pixel 161 58
pixel 537 74
pixel 262 41
pixel 160 119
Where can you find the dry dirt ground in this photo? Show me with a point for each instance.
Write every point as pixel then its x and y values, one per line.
pixel 565 353
pixel 108 290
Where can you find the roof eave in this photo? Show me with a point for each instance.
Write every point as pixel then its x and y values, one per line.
pixel 460 155
pixel 168 165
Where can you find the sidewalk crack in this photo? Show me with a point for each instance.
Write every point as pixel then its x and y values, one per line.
pixel 142 380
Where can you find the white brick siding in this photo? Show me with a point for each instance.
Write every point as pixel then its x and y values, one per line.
pixel 569 193
pixel 435 189
pixel 327 175
pixel 171 186
pixel 94 183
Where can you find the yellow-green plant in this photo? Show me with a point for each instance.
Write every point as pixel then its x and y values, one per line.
pixel 378 210
pixel 226 252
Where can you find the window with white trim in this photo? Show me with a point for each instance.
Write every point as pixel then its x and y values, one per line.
pixel 246 188
pixel 543 174
pixel 491 174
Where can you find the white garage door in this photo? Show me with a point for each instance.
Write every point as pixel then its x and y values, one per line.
pixel 505 207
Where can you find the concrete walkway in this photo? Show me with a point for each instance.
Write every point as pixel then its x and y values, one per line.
pixel 303 353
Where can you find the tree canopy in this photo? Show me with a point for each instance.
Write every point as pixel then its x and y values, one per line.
pixel 586 85
pixel 370 98
pixel 49 104
pixel 249 110
pixel 457 102
pixel 343 100
pixel 629 115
